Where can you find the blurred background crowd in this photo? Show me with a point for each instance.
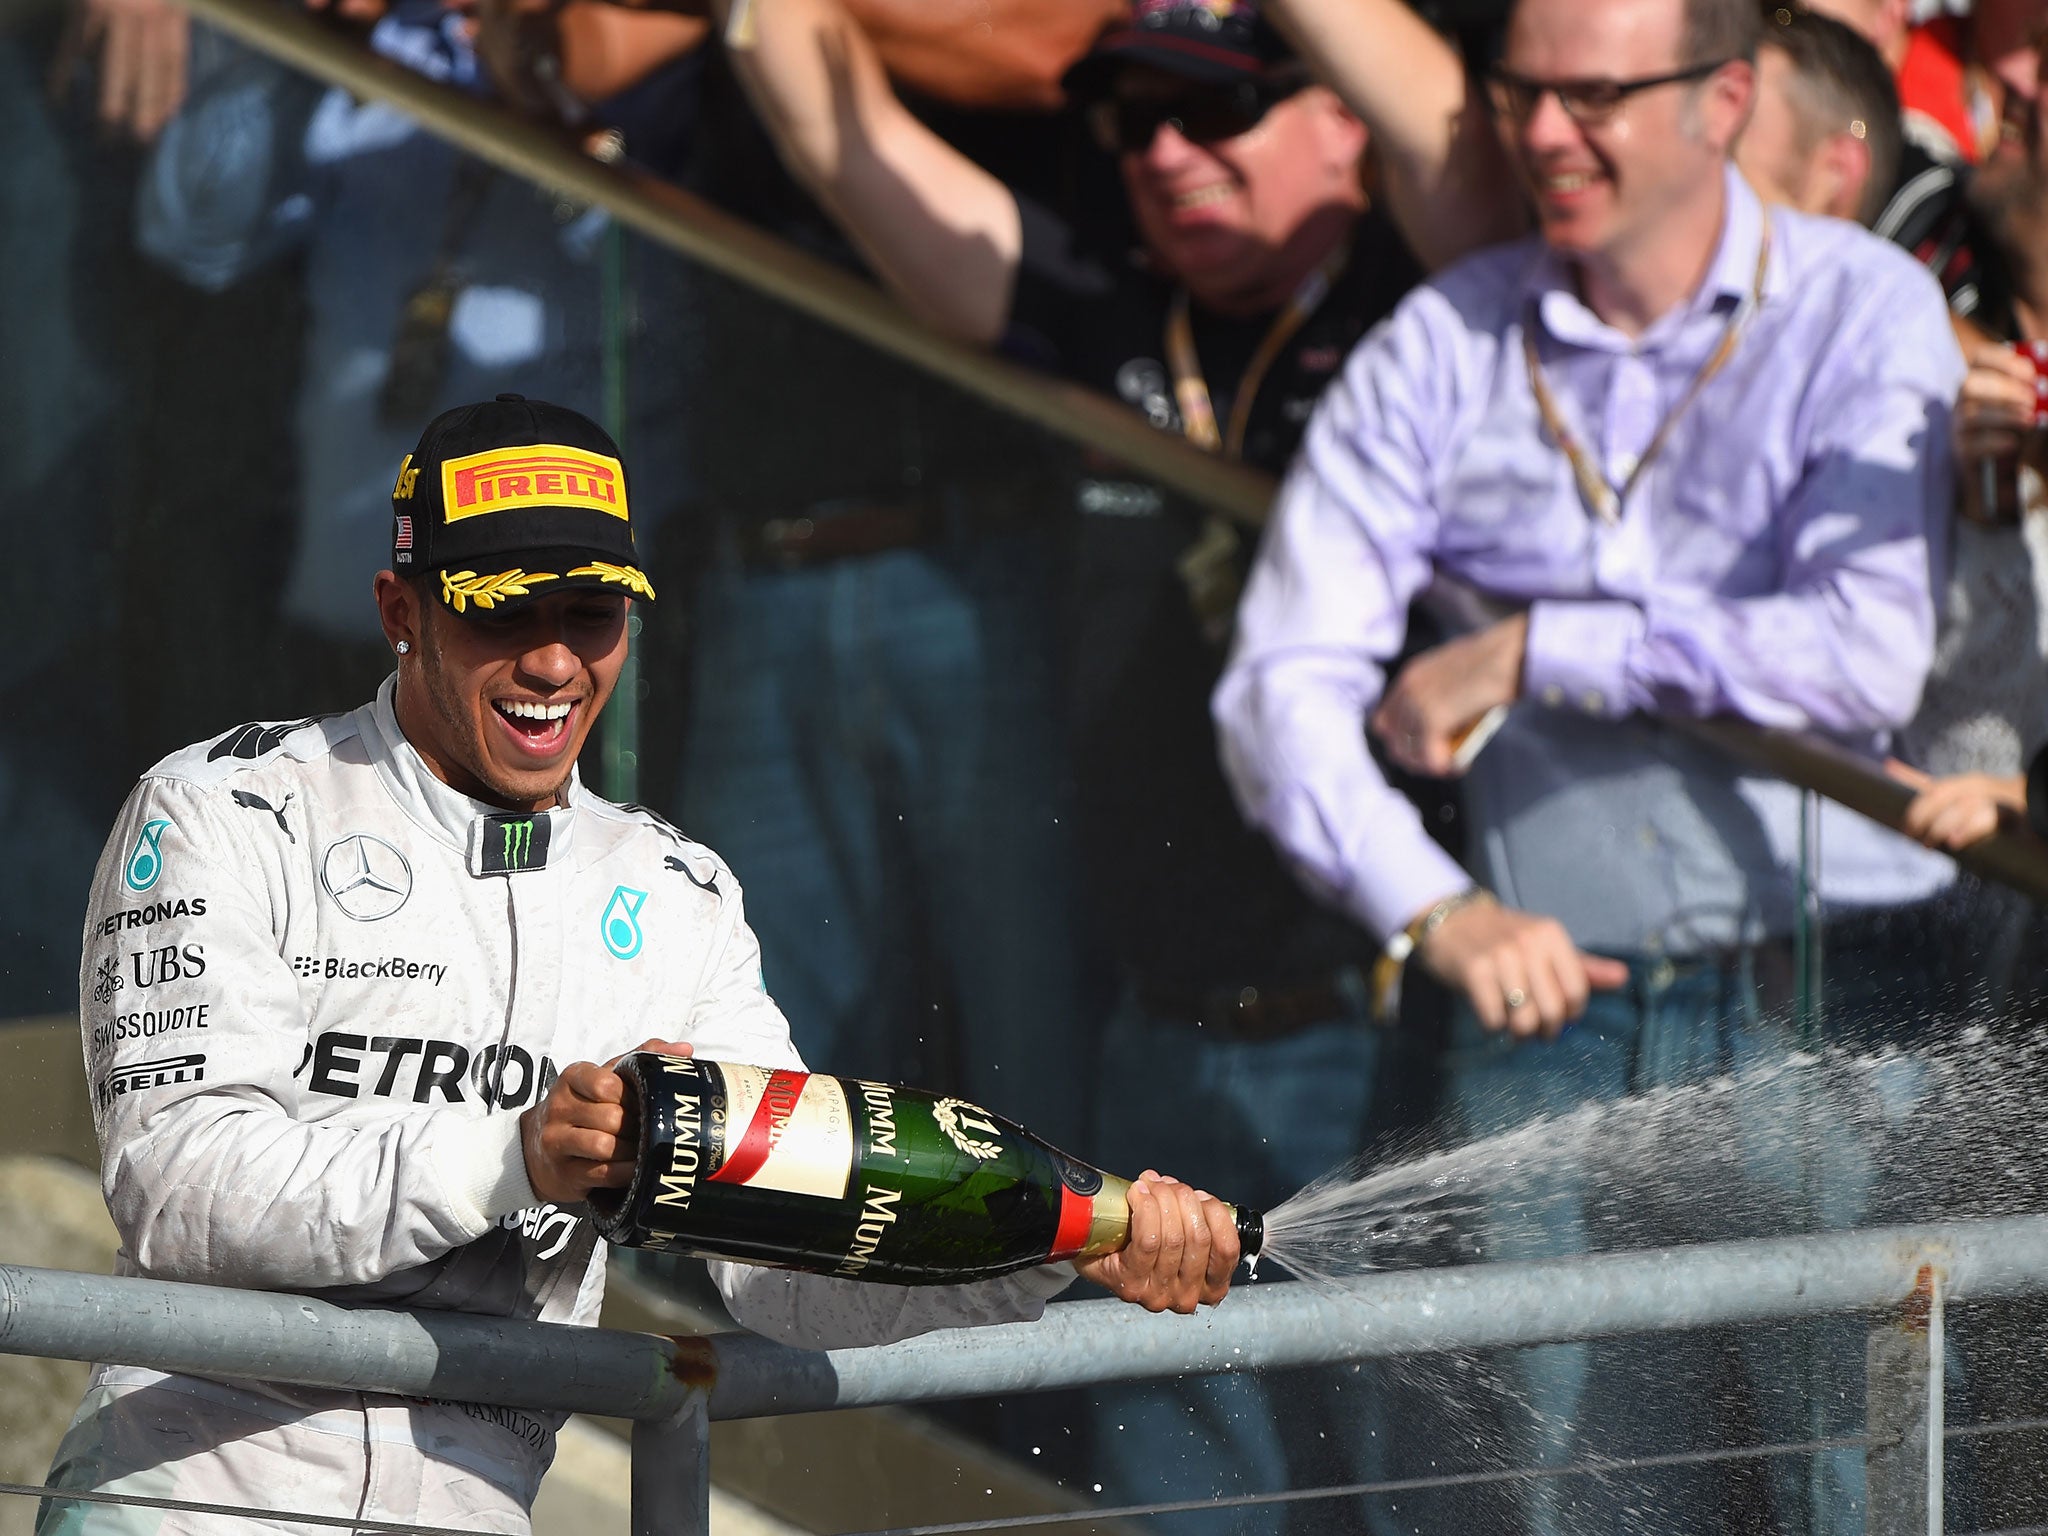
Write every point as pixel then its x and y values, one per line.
pixel 938 683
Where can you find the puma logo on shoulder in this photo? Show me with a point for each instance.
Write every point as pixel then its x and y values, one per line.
pixel 682 867
pixel 253 802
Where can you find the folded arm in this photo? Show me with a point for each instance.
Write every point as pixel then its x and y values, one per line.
pixel 1844 644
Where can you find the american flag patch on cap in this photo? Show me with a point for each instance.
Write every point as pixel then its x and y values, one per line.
pixel 403 538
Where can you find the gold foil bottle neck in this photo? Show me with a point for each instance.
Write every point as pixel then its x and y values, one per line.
pixel 1109 1226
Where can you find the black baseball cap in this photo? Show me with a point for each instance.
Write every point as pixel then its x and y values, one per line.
pixel 509 500
pixel 1212 42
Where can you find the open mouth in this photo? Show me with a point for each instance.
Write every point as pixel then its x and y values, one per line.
pixel 538 728
pixel 1565 184
pixel 1202 197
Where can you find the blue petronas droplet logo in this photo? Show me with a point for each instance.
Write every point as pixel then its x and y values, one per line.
pixel 146 859
pixel 621 922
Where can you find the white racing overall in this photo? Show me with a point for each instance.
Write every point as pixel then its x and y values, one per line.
pixel 318 986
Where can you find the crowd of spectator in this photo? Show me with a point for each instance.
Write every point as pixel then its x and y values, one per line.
pixel 1598 412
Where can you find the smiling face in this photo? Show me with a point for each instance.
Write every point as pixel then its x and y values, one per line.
pixel 1227 217
pixel 499 703
pixel 1605 188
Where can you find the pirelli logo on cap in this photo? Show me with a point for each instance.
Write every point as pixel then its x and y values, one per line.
pixel 547 475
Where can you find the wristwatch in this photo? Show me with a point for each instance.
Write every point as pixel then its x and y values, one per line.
pixel 1393 959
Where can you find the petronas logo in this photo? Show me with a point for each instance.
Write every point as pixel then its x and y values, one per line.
pixel 517 845
pixel 146 859
pixel 621 922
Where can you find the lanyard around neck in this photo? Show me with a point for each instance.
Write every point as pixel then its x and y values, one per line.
pixel 1191 389
pixel 1602 497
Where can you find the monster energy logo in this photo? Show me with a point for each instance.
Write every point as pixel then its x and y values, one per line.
pixel 507 845
pixel 518 844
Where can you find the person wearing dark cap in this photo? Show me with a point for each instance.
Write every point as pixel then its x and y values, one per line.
pixel 345 984
pixel 1263 261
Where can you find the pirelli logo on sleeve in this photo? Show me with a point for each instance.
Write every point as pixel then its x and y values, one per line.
pixel 548 475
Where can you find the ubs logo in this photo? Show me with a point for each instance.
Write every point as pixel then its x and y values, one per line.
pixel 367 877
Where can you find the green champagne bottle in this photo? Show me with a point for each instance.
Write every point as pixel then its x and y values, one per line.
pixel 869 1181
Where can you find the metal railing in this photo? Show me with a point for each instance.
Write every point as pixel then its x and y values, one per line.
pixel 672 1388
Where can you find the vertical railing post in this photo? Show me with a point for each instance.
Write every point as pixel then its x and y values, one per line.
pixel 1903 1388
pixel 672 1473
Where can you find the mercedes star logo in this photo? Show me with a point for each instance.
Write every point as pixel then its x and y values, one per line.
pixel 367 877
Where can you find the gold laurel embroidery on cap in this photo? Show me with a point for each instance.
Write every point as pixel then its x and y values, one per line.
pixel 460 588
pixel 628 576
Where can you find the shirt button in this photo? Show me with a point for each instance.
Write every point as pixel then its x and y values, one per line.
pixel 1593 701
pixel 1553 695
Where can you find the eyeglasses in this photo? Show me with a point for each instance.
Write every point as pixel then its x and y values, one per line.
pixel 1588 103
pixel 1127 124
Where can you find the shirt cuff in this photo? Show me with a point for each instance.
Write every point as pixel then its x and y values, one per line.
pixel 483 1169
pixel 1046 1280
pixel 1404 882
pixel 1577 655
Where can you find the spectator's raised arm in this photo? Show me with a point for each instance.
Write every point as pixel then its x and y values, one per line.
pixel 941 232
pixel 1442 171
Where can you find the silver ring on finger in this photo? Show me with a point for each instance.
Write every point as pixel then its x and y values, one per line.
pixel 1515 997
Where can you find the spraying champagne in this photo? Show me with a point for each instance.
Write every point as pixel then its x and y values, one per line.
pixel 843 1177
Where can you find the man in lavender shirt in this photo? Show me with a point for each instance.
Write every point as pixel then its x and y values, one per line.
pixel 1674 456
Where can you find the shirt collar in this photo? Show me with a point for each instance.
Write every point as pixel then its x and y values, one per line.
pixel 1551 287
pixel 441 809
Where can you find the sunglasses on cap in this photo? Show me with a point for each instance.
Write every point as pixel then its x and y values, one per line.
pixel 1127 125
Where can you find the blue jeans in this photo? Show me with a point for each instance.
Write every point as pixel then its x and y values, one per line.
pixel 1675 1022
pixel 874 746
pixel 1251 1122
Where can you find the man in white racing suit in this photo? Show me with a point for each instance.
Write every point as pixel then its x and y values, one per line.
pixel 345 987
